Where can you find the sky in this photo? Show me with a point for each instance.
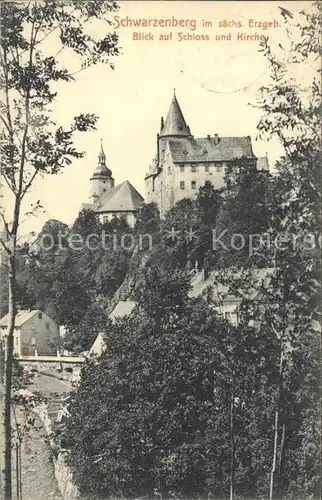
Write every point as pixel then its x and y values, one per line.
pixel 215 80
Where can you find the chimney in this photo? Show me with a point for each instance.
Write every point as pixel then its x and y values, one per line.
pixel 208 136
pixel 205 273
pixel 216 139
pixel 162 124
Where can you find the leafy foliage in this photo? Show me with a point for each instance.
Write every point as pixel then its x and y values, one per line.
pixel 183 404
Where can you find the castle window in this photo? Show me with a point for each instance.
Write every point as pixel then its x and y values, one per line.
pixel 193 167
pixel 181 184
pixel 181 168
pixel 207 168
pixel 193 184
pixel 218 167
pixel 40 315
pixel 169 170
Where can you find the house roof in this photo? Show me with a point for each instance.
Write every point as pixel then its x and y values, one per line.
pixel 21 317
pixel 98 346
pixel 262 163
pixel 210 149
pixel 123 197
pixel 221 292
pixel 175 124
pixel 122 308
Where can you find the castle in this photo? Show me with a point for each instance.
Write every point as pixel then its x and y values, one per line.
pixel 183 164
pixel 110 201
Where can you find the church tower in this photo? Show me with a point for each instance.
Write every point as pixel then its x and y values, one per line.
pixel 102 179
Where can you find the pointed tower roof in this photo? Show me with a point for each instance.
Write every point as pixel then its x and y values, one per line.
pixel 175 124
pixel 101 170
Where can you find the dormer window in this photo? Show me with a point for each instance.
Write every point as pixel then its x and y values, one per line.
pixel 205 152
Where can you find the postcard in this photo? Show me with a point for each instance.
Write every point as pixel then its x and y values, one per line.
pixel 160 249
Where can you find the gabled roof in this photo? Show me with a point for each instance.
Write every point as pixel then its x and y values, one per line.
pixel 122 308
pixel 175 124
pixel 221 292
pixel 262 164
pixel 123 197
pixel 210 149
pixel 21 317
pixel 98 346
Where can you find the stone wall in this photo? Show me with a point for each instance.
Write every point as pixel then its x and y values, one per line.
pixel 63 474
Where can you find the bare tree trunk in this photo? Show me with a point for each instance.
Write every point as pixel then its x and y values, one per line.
pixel 232 439
pixel 276 428
pixel 8 385
pixel 281 461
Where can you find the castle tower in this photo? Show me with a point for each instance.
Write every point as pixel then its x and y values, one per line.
pixel 175 124
pixel 102 179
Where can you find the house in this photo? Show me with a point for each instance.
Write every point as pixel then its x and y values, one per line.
pixel 183 163
pixel 227 303
pixel 122 309
pixel 109 201
pixel 35 333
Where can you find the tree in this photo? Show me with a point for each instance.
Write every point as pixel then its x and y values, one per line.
pixel 176 226
pixel 292 113
pixel 32 144
pixel 287 306
pixel 147 418
pixel 148 219
pixel 208 204
pixel 243 217
pixel 40 265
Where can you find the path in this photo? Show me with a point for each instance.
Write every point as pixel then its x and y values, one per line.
pixel 38 480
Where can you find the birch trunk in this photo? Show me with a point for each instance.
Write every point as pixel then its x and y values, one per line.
pixel 232 440
pixel 8 382
pixel 276 429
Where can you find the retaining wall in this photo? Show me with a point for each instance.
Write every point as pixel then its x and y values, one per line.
pixel 63 474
